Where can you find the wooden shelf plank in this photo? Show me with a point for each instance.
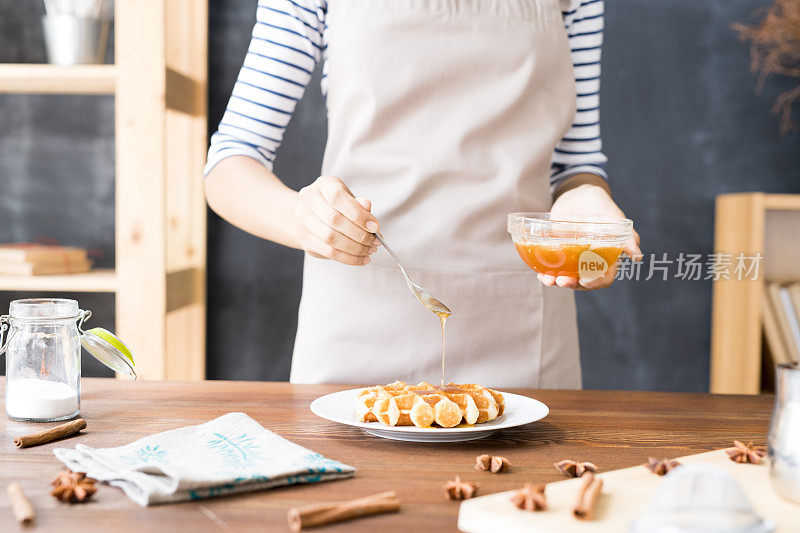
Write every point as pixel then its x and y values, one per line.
pixel 53 79
pixel 782 202
pixel 100 280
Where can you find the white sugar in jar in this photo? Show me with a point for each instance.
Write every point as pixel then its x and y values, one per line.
pixel 43 359
pixel 39 399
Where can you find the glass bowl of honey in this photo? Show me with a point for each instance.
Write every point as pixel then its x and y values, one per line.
pixel 582 247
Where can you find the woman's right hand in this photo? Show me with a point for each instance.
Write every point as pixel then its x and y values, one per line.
pixel 333 224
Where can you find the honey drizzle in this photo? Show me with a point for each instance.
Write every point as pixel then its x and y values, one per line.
pixel 442 319
pixel 439 390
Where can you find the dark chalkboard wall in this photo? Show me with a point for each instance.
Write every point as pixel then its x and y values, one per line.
pixel 681 124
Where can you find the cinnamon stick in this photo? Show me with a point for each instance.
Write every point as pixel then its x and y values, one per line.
pixel 51 434
pixel 327 513
pixel 587 497
pixel 20 505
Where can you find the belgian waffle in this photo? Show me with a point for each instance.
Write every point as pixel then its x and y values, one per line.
pixel 423 404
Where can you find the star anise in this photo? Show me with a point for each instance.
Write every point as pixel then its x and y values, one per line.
pixel 746 453
pixel 73 487
pixel 572 468
pixel 660 467
pixel 531 497
pixel 494 463
pixel 460 490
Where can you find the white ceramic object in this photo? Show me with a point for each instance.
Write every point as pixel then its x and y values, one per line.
pixel 341 406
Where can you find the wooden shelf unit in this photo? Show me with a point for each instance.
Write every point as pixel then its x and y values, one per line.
pixel 100 280
pixel 53 79
pixel 750 223
pixel 160 83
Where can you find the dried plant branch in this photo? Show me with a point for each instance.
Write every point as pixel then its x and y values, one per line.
pixel 775 49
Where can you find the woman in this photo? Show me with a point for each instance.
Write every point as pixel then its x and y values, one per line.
pixel 443 116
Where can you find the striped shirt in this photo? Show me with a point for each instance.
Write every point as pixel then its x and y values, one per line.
pixel 290 37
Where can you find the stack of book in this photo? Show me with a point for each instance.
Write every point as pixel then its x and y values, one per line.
pixel 41 259
pixel 781 319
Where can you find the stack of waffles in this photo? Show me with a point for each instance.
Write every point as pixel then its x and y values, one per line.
pixel 422 405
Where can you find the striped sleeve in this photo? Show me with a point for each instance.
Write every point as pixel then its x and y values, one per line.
pixel 287 42
pixel 580 150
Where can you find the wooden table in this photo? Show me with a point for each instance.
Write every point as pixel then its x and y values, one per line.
pixel 613 429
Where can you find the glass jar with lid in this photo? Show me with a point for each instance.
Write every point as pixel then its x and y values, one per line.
pixel 43 357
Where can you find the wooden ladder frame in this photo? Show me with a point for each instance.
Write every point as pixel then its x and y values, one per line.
pixel 737 305
pixel 161 56
pixel 160 82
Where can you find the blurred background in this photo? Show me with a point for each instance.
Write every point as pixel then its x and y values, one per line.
pixel 681 123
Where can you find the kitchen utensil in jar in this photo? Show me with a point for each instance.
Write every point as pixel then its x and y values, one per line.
pixel 74 40
pixel 784 433
pixel 76 31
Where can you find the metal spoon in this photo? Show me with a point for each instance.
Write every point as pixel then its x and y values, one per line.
pixel 424 297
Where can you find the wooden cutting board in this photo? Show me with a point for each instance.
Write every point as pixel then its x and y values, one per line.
pixel 626 493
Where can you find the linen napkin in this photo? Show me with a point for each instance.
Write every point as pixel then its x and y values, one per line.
pixel 230 454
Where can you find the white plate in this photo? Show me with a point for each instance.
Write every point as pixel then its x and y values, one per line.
pixel 341 407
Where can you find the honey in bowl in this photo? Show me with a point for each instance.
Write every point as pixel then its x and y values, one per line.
pixel 567 259
pixel 583 247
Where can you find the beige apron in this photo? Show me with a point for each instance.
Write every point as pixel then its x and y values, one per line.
pixel 444 113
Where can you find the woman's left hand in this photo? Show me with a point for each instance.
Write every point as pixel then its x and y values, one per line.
pixel 587 194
